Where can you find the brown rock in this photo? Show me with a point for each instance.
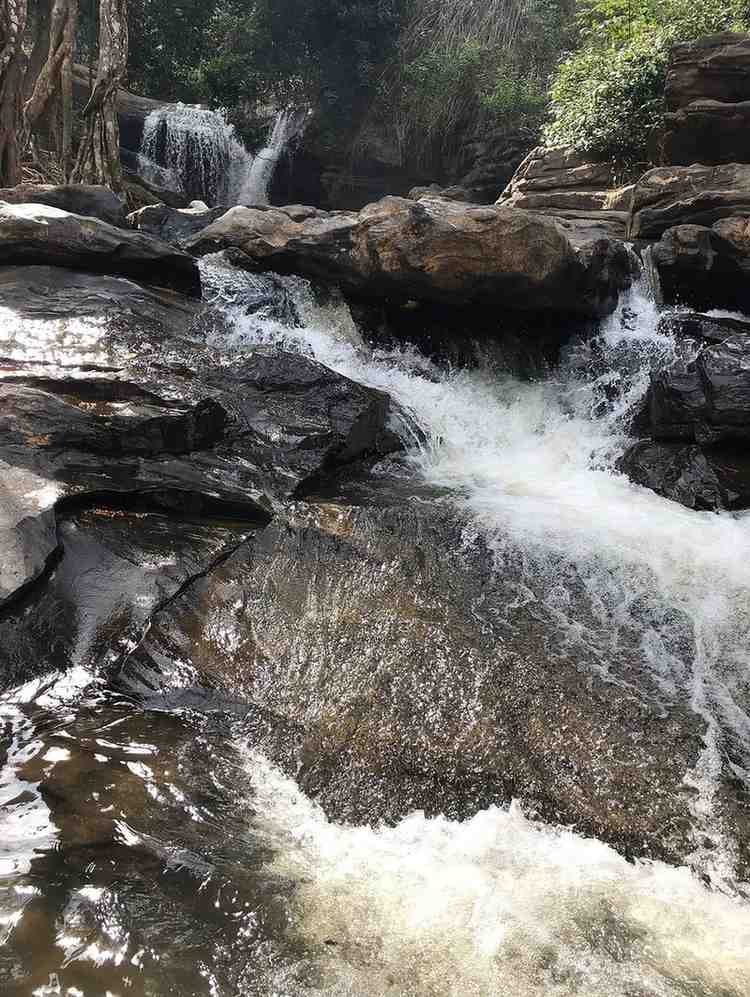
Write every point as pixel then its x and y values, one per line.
pixel 688 195
pixel 433 250
pixel 736 231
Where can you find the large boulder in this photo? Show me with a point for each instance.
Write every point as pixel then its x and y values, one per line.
pixel 692 195
pixel 39 234
pixel 433 250
pixel 78 199
pixel 697 267
pixel 133 410
pixel 708 98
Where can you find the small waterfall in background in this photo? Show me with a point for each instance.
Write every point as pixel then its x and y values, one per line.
pixel 288 125
pixel 198 152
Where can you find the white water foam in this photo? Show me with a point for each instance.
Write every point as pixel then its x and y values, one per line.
pixel 195 150
pixel 495 905
pixel 289 123
pixel 620 572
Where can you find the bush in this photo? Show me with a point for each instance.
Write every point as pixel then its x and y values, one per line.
pixel 607 99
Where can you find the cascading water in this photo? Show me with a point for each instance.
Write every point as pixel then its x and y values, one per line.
pixel 287 126
pixel 197 151
pixel 164 856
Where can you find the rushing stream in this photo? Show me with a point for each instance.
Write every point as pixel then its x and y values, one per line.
pixel 148 848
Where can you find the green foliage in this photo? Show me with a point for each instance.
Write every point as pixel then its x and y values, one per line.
pixel 607 98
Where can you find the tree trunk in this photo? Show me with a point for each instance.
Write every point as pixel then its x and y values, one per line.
pixel 99 152
pixel 54 85
pixel 13 14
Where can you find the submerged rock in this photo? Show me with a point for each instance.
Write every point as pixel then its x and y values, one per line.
pixel 39 234
pixel 391 667
pixel 433 250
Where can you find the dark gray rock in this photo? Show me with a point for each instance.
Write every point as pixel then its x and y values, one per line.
pixel 700 327
pixel 707 401
pixel 154 413
pixel 698 268
pixel 38 234
pixel 78 199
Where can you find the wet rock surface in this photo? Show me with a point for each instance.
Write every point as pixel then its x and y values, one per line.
pixel 699 268
pixel 167 420
pixel 432 249
pixel 389 673
pixel 174 225
pixel 39 234
pixel 697 415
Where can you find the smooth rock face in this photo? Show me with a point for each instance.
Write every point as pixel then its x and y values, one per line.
pixel 370 644
pixel 698 268
pixel 692 195
pixel 38 234
pixel 431 250
pixel 78 199
pixel 146 414
pixel 708 96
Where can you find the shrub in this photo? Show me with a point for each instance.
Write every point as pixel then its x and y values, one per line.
pixel 607 99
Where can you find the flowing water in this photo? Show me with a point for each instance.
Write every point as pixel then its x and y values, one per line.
pixel 198 151
pixel 156 852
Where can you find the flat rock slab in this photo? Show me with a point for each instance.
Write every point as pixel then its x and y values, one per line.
pixel 431 250
pixel 39 234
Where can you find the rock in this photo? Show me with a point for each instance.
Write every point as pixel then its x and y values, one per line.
pixel 38 234
pixel 433 250
pixel 454 193
pixel 681 473
pixel 713 67
pixel 585 196
pixel 736 231
pixel 440 707
pixel 142 193
pixel 696 267
pixel 708 400
pixel 695 325
pixel 174 225
pixel 711 478
pixel 117 567
pixel 141 409
pixel 692 195
pixel 78 199
pixel 708 97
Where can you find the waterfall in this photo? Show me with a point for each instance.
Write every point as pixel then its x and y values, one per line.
pixel 288 125
pixel 198 152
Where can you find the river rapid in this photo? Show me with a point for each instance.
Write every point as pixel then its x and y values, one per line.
pixel 148 848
